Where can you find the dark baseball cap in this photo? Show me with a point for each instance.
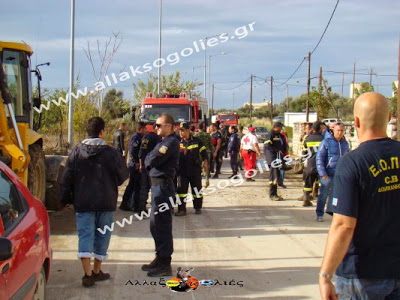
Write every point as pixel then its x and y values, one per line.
pixel 184 125
pixel 278 124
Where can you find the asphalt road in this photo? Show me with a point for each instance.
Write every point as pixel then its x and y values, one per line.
pixel 249 246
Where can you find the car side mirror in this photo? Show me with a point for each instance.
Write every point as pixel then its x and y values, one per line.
pixel 6 250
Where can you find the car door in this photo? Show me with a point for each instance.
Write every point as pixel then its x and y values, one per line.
pixel 19 226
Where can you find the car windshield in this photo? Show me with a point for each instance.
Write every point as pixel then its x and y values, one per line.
pixel 228 118
pixel 151 112
pixel 261 129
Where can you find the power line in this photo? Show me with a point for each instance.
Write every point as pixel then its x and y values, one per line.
pixel 233 87
pixel 326 28
pixel 294 71
pixel 376 74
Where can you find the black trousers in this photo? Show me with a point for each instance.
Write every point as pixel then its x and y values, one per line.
pixel 273 180
pixel 217 162
pixel 309 179
pixel 145 186
pixel 183 187
pixel 131 197
pixel 162 197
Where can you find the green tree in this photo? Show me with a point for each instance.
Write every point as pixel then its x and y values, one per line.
pixel 115 105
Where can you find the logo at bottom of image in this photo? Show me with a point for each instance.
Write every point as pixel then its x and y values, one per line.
pixel 183 282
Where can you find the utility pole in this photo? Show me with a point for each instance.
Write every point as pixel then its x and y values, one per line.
pixel 159 46
pixel 342 83
pixel 287 97
pixel 71 78
pixel 251 95
pixel 370 76
pixel 320 86
pixel 308 86
pixel 212 100
pixel 398 97
pixel 233 102
pixel 354 79
pixel 272 99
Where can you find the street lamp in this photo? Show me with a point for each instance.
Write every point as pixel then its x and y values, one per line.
pixel 209 71
pixel 205 63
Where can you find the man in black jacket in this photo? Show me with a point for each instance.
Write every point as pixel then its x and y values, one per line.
pixel 90 182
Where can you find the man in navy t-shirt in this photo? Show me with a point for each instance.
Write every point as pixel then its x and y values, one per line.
pixel 363 244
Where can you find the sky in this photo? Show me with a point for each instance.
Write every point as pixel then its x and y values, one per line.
pixel 364 32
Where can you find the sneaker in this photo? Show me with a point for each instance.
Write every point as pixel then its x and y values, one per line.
pixel 88 280
pixel 282 186
pixel 250 179
pixel 320 219
pixel 126 208
pixel 163 268
pixel 180 213
pixel 215 176
pixel 100 276
pixel 198 211
pixel 233 175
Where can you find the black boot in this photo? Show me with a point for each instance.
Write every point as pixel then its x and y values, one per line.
pixel 163 268
pixel 152 265
pixel 273 193
pixel 306 199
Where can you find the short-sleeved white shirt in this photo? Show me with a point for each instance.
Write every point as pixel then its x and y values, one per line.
pixel 249 142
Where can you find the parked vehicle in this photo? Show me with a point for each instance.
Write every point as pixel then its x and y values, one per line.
pixel 330 121
pixel 25 253
pixel 180 107
pixel 278 119
pixel 261 133
pixel 228 119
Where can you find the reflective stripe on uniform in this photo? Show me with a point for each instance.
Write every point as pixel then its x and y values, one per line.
pixel 268 142
pixel 277 139
pixel 203 148
pixel 312 144
pixel 193 146
pixel 197 197
pixel 307 189
pixel 182 195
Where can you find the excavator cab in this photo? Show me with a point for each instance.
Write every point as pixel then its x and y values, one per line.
pixel 21 148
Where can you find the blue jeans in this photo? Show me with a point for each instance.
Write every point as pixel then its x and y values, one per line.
pixel 366 289
pixel 91 241
pixel 324 193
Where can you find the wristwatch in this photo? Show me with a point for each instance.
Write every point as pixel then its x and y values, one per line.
pixel 325 275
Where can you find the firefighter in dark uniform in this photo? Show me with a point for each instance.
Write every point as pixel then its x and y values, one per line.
pixel 189 171
pixel 273 150
pixel 162 163
pixel 149 141
pixel 130 199
pixel 216 154
pixel 310 148
pixel 233 150
pixel 119 139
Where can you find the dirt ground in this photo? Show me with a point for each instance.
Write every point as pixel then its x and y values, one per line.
pixel 248 245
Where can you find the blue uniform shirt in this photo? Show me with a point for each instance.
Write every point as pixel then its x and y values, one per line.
pixel 366 186
pixel 134 147
pixel 234 143
pixel 162 161
pixel 149 141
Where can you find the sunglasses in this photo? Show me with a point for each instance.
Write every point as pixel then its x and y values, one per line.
pixel 163 124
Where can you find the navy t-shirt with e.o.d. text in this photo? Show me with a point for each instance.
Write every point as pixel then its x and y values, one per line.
pixel 366 186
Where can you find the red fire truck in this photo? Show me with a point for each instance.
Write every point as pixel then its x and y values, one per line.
pixel 180 107
pixel 228 119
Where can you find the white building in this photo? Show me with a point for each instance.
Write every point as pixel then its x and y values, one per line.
pixel 357 86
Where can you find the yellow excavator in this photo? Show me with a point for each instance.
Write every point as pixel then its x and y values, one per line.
pixel 21 148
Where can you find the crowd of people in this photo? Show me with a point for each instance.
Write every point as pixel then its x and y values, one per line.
pixel 361 187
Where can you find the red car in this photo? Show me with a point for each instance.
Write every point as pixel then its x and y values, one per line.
pixel 25 253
